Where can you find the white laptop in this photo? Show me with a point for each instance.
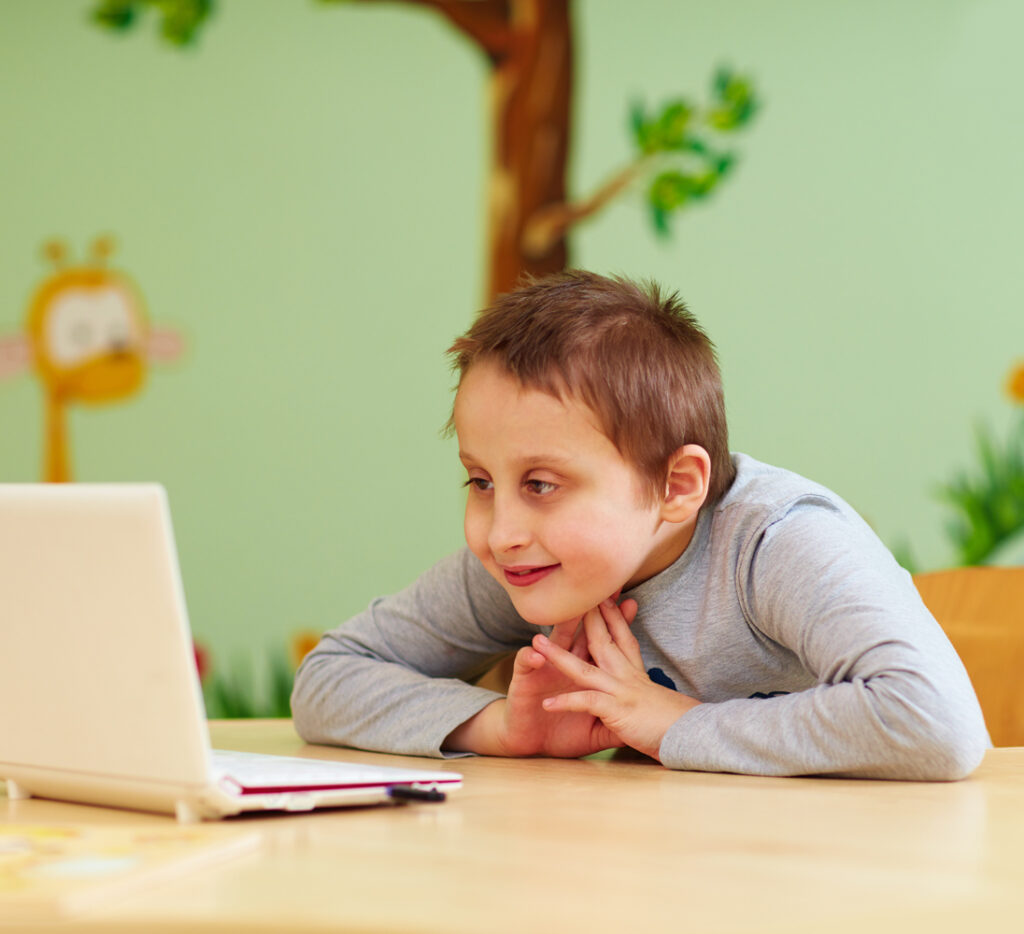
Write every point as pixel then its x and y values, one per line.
pixel 100 700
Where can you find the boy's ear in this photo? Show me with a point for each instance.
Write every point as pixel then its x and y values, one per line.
pixel 686 487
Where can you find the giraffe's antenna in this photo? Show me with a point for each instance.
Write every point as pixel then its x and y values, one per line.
pixel 102 248
pixel 56 252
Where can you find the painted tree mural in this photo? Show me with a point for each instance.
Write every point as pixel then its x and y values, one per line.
pixel 680 149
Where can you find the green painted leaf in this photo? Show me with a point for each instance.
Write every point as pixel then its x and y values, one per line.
pixel 115 14
pixel 659 217
pixel 638 122
pixel 180 20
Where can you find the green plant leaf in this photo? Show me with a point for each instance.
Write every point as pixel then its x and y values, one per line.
pixel 703 184
pixel 671 131
pixel 689 167
pixel 724 163
pixel 735 102
pixel 638 122
pixel 988 503
pixel 670 190
pixel 180 20
pixel 659 218
pixel 115 14
pixel 721 81
pixel 282 678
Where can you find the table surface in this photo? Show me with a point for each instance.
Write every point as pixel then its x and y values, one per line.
pixel 540 845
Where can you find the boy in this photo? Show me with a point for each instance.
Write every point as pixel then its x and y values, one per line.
pixel 710 611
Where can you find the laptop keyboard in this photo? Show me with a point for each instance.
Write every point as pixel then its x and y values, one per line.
pixel 256 772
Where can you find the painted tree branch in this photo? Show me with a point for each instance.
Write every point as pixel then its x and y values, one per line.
pixel 486 22
pixel 553 222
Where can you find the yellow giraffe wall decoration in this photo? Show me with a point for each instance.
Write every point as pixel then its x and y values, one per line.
pixel 88 339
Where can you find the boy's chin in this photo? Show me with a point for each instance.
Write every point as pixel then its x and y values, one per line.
pixel 543 611
pixel 547 618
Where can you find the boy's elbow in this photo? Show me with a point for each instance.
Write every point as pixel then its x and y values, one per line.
pixel 960 755
pixel 960 741
pixel 932 736
pixel 948 754
pixel 308 723
pixel 300 716
pixel 303 705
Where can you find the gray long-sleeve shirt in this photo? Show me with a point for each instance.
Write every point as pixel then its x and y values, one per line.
pixel 786 616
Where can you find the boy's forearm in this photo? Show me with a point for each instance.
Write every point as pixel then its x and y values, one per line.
pixel 478 734
pixel 851 729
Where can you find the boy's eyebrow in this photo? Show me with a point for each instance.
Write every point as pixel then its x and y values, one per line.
pixel 532 460
pixel 546 460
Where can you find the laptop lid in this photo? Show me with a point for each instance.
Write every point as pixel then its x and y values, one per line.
pixel 100 700
pixel 97 675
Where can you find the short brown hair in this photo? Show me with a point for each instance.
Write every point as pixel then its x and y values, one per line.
pixel 639 360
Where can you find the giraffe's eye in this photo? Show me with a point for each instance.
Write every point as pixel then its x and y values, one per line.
pixel 84 323
pixel 80 331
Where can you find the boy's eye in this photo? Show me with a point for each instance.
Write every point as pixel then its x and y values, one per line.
pixel 478 483
pixel 541 487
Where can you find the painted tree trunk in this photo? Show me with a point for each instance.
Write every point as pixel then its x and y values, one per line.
pixel 531 94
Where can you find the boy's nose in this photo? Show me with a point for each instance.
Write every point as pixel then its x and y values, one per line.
pixel 509 529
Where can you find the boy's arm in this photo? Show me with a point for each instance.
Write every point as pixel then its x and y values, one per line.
pixel 390 679
pixel 893 699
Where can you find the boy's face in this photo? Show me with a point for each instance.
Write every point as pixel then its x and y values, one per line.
pixel 553 511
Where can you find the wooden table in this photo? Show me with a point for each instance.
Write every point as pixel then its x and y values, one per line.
pixel 596 845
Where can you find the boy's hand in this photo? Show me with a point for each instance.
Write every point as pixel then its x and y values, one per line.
pixel 529 727
pixel 615 688
pixel 520 724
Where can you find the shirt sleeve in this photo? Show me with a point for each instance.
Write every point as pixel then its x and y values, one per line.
pixel 392 679
pixel 892 698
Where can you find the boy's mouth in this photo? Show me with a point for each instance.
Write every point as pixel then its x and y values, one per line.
pixel 524 576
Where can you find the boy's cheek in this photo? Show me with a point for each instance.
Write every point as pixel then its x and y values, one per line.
pixel 471 531
pixel 477 543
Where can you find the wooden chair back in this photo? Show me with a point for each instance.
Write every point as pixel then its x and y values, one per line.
pixel 981 610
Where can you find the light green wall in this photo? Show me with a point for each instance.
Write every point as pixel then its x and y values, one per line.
pixel 301 196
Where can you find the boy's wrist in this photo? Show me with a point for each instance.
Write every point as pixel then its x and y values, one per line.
pixel 480 733
pixel 683 704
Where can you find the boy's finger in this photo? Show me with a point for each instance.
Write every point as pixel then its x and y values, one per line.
pixel 527 659
pixel 618 625
pixel 593 702
pixel 613 646
pixel 580 646
pixel 580 671
pixel 599 636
